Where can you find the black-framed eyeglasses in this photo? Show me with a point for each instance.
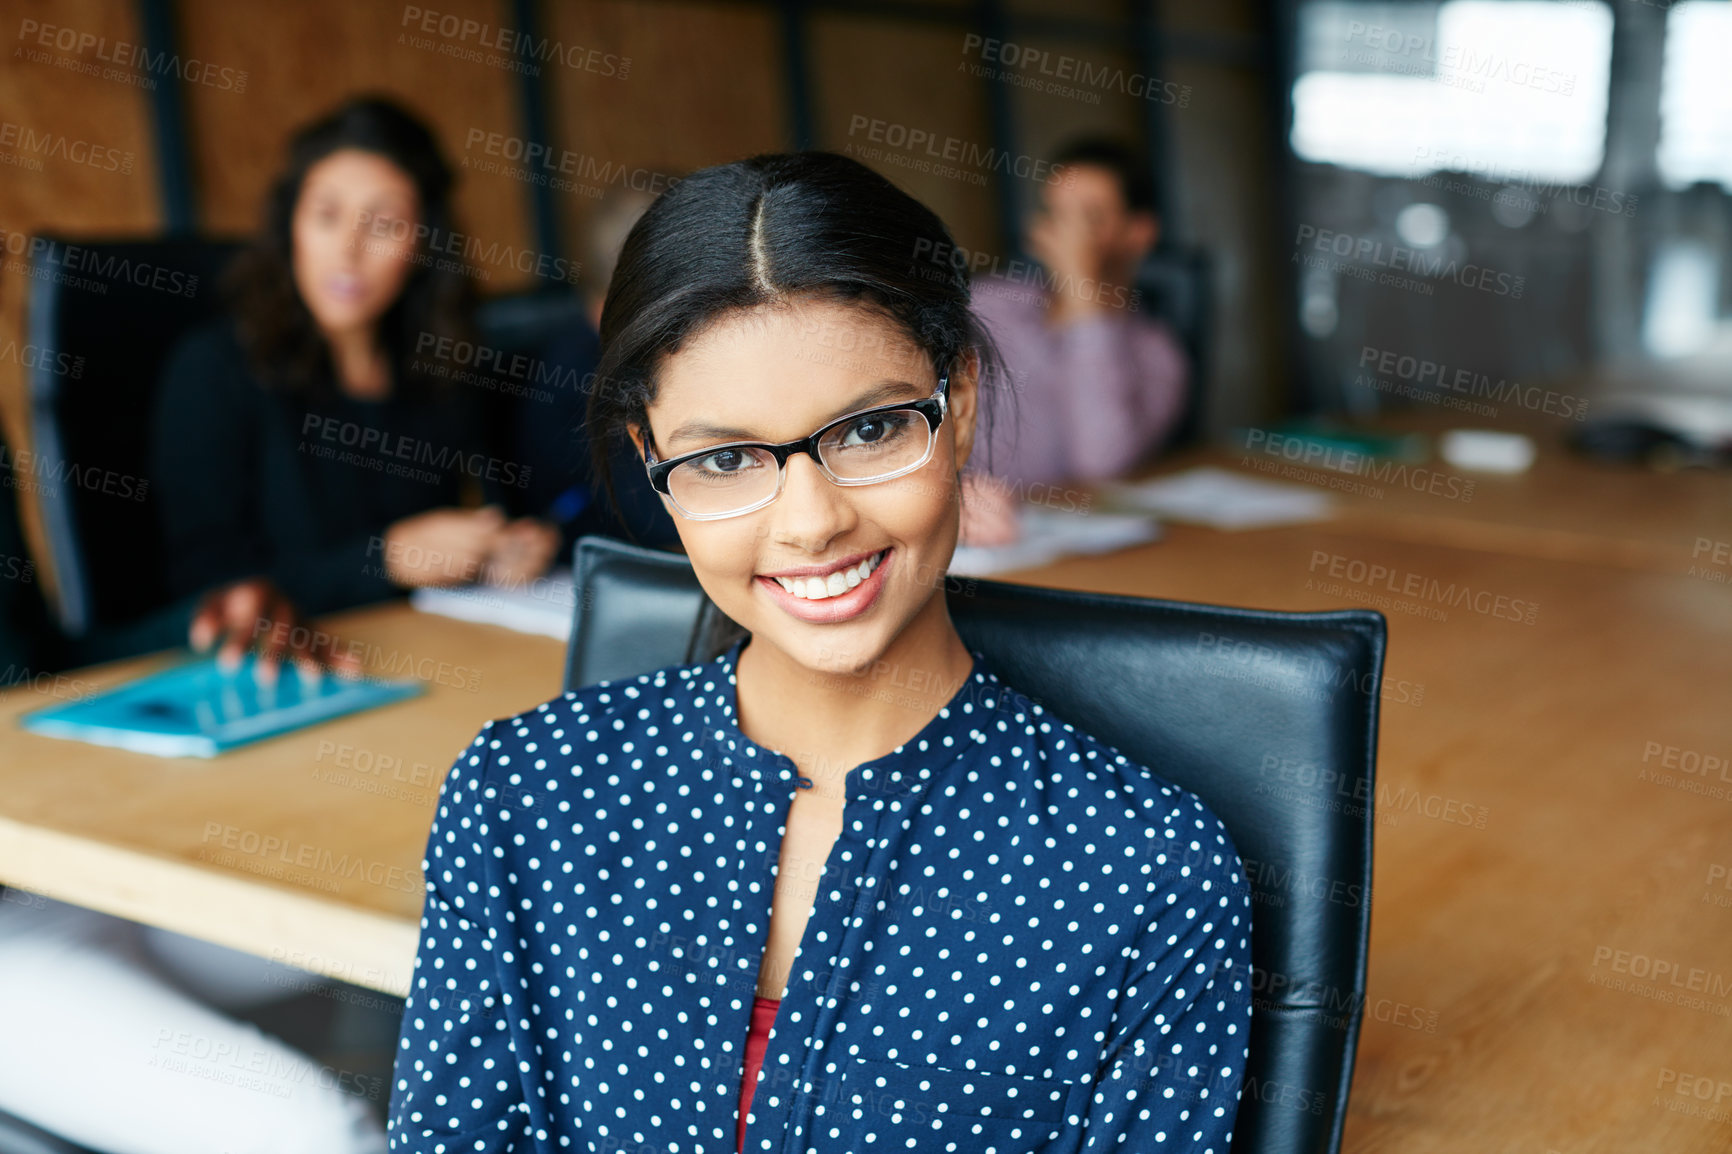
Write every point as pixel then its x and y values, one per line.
pixel 862 448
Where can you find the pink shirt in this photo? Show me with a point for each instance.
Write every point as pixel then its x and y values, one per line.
pixel 1092 396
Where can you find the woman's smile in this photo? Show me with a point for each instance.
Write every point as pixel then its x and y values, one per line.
pixel 842 595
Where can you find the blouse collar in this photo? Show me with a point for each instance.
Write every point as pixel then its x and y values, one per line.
pixel 944 740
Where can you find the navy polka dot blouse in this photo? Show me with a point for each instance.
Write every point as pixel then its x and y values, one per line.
pixel 1022 940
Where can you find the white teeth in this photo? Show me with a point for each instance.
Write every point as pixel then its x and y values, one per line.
pixel 833 585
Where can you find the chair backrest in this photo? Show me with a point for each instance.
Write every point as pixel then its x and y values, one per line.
pixel 104 316
pixel 1270 718
pixel 1176 284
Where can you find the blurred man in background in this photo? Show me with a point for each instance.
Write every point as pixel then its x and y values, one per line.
pixel 1100 384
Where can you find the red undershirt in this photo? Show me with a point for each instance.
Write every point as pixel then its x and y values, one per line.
pixel 763 1017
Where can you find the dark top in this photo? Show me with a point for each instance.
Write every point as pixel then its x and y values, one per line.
pixel 550 434
pixel 1019 932
pixel 253 481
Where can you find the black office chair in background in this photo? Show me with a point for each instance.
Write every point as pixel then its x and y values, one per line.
pixel 1176 283
pixel 1270 718
pixel 109 312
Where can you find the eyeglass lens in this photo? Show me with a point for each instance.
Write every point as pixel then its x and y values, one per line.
pixel 864 449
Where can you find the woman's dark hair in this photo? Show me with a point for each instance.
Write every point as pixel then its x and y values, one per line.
pixel 283 343
pixel 1136 183
pixel 767 229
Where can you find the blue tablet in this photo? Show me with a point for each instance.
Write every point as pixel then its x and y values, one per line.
pixel 198 710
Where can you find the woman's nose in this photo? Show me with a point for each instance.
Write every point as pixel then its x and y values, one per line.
pixel 809 499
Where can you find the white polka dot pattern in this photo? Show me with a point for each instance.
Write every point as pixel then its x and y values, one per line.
pixel 1022 941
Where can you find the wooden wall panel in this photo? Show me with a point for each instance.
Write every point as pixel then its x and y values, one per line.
pixel 302 59
pixel 878 82
pixel 76 155
pixel 704 86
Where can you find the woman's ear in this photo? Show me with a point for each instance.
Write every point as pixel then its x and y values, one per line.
pixel 964 407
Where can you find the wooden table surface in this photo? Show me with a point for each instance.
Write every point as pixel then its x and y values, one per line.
pixel 304 848
pixel 1552 974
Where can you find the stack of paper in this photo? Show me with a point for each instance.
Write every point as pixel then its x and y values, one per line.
pixel 1222 498
pixel 1048 534
pixel 545 605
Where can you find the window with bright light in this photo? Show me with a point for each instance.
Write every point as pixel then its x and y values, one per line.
pixel 1696 96
pixel 1508 89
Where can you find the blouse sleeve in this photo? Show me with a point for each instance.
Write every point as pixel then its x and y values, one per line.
pixel 456 1085
pixel 1178 1061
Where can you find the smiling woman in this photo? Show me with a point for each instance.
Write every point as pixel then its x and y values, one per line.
pixel 967 924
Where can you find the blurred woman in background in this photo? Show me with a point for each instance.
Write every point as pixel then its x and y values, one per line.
pixel 302 441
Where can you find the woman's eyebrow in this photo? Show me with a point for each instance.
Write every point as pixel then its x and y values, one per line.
pixel 881 393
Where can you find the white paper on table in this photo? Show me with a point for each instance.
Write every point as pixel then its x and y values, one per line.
pixel 543 606
pixel 1048 534
pixel 1223 499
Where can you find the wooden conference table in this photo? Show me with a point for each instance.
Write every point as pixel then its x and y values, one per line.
pixel 1549 963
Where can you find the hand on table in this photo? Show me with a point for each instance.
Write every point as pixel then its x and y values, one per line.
pixel 441 546
pixel 253 614
pixel 521 552
pixel 990 514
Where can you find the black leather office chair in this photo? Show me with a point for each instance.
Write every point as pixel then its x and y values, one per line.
pixel 1271 718
pixel 1176 284
pixel 105 315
